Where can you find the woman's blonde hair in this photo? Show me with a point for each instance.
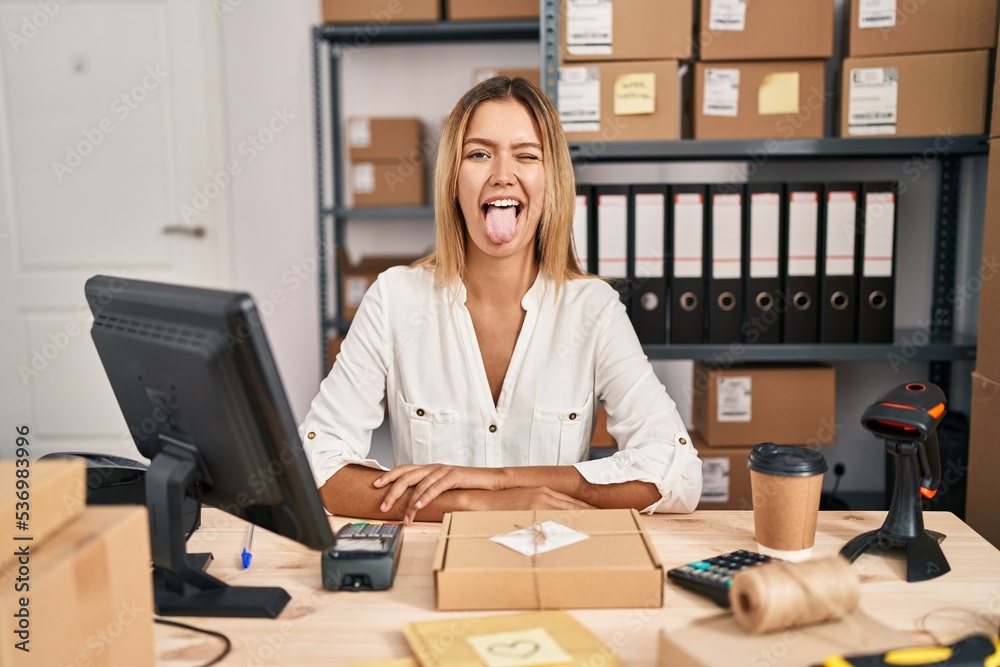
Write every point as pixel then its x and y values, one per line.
pixel 554 238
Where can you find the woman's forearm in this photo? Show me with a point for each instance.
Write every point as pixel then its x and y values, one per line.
pixel 349 492
pixel 568 480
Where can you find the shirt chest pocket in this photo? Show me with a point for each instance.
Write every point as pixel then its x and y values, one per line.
pixel 435 435
pixel 559 437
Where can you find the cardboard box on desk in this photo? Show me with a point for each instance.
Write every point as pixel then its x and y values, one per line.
pixel 766 30
pixel 477 10
pixel 381 12
pixel 933 94
pixel 626 30
pixel 921 27
pixel 619 568
pixel 91 595
pixel 54 494
pixel 357 278
pixel 620 101
pixel 745 405
pixel 725 476
pixel 759 100
pixel 984 459
pixel 719 640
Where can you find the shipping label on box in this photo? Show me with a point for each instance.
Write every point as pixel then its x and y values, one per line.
pixel 615 565
pixel 873 101
pixel 876 14
pixel 589 27
pixel 722 92
pixel 580 99
pixel 727 15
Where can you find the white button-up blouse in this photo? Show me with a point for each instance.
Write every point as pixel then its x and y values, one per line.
pixel 412 351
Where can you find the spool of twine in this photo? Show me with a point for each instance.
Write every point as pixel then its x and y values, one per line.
pixel 782 595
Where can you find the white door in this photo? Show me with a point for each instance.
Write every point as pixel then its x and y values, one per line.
pixel 112 160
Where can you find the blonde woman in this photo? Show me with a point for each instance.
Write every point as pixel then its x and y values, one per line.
pixel 492 354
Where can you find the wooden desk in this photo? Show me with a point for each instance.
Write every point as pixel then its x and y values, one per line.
pixel 321 627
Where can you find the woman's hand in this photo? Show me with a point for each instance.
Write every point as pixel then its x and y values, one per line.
pixel 430 481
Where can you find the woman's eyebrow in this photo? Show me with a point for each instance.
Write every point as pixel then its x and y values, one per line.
pixel 493 144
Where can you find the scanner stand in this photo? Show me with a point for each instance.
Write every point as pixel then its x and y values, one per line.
pixel 904 525
pixel 181 587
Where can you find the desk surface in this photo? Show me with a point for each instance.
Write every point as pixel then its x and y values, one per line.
pixel 320 627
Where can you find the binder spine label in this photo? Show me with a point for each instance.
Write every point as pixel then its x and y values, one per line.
pixel 803 212
pixel 840 233
pixel 688 235
pixel 880 210
pixel 649 230
pixel 727 226
pixel 764 229
pixel 580 231
pixel 612 235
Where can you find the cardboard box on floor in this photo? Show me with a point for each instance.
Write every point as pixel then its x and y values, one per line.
pixel 91 596
pixel 766 30
pixel 477 10
pixel 627 30
pixel 618 569
pixel 745 405
pixel 56 492
pixel 984 459
pixel 926 26
pixel 381 12
pixel 357 278
pixel 620 101
pixel 383 138
pixel 934 94
pixel 725 477
pixel 720 640
pixel 759 100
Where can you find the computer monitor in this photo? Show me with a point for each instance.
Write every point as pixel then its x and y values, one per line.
pixel 200 392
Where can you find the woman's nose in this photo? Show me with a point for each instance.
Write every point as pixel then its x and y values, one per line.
pixel 504 169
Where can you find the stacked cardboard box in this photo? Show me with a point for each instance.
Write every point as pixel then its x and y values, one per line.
pixel 381 12
pixel 79 591
pixel 477 10
pixel 387 161
pixel 358 276
pixel 984 435
pixel 917 68
pixel 761 72
pixel 620 78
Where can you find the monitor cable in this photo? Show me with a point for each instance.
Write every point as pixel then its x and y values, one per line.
pixel 225 650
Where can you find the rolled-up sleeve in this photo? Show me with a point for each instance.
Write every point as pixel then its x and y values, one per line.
pixel 337 431
pixel 654 445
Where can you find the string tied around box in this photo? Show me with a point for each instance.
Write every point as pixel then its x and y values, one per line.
pixel 780 595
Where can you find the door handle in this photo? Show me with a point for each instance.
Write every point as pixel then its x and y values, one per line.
pixel 197 231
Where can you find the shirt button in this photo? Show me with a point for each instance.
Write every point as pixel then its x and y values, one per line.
pixel 420 412
pixel 572 416
pixel 311 435
pixel 683 441
pixel 493 428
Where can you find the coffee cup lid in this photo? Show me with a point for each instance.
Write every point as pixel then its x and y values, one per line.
pixel 786 460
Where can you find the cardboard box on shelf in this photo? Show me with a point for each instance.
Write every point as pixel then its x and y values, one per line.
pixel 617 569
pixel 388 183
pixel 725 477
pixel 766 30
pixel 532 74
pixel 355 279
pixel 91 596
pixel 933 94
pixel 926 26
pixel 381 138
pixel 988 347
pixel 381 12
pixel 626 30
pixel 55 489
pixel 759 100
pixel 745 405
pixel 731 644
pixel 620 101
pixel 984 459
pixel 477 10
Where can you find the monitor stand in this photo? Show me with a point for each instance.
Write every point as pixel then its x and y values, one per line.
pixel 181 587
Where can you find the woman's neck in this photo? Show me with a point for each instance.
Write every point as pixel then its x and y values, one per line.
pixel 500 281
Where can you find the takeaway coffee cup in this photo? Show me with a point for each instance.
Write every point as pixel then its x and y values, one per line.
pixel 785 482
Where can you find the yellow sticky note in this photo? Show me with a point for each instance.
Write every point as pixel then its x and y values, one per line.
pixel 778 94
pixel 519 649
pixel 635 94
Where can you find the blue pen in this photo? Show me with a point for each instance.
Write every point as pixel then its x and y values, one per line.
pixel 246 555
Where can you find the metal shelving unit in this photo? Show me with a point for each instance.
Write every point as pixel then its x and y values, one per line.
pixel 331 42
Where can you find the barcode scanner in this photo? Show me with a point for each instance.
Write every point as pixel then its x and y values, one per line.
pixel 907 417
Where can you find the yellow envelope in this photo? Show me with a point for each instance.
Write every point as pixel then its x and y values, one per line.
pixel 635 94
pixel 530 638
pixel 778 94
